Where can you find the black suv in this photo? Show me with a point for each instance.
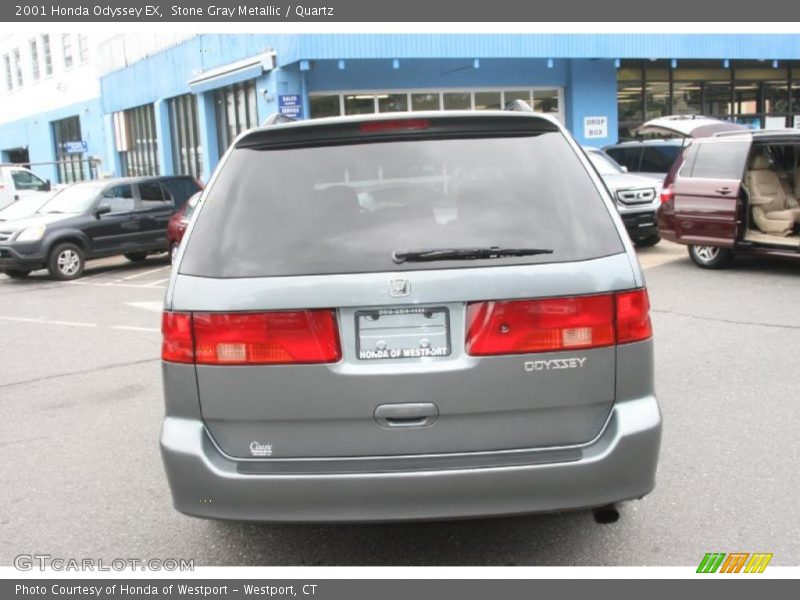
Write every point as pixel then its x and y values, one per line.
pixel 94 219
pixel 651 158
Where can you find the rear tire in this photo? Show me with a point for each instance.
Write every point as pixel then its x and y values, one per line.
pixel 136 256
pixel 66 262
pixel 16 273
pixel 711 257
pixel 648 241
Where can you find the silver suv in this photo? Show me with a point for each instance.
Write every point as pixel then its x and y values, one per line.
pixel 403 317
pixel 637 197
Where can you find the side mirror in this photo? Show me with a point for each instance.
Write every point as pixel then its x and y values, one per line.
pixel 100 211
pixel 624 168
pixel 47 187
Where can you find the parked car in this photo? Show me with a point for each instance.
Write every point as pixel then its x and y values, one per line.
pixel 649 158
pixel 126 216
pixel 685 128
pixel 178 223
pixel 17 182
pixel 24 207
pixel 689 126
pixel 636 197
pixel 654 157
pixel 406 316
pixel 736 194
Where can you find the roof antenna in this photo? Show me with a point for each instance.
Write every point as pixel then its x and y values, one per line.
pixel 519 106
pixel 277 119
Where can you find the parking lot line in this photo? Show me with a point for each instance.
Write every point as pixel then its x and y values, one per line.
pixel 143 273
pixel 122 285
pixel 132 328
pixel 156 282
pixel 47 321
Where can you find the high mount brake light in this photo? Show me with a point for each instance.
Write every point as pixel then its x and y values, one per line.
pixel 554 324
pixel 394 125
pixel 279 337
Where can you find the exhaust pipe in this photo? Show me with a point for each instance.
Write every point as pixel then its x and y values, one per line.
pixel 606 514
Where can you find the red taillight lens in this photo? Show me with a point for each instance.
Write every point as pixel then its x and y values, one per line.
pixel 633 317
pixel 177 344
pixel 394 124
pixel 667 193
pixel 551 324
pixel 523 326
pixel 306 336
pixel 281 337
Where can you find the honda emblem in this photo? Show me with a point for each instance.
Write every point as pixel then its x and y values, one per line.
pixel 399 288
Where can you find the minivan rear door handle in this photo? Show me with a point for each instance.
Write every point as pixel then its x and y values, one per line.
pixel 723 190
pixel 407 414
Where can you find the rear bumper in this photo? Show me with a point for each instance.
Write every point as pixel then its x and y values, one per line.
pixel 620 464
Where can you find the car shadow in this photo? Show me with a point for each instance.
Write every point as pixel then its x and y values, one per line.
pixel 550 539
pixel 774 265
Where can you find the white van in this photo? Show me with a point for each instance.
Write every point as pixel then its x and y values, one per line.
pixel 17 181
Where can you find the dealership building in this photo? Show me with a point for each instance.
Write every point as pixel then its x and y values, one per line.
pixel 77 107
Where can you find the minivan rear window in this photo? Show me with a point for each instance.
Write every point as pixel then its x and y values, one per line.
pixel 346 208
pixel 658 159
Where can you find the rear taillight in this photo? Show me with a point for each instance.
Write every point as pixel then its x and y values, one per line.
pixel 667 193
pixel 633 316
pixel 177 344
pixel 551 324
pixel 281 337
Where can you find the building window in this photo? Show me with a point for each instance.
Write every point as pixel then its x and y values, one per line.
pixel 392 102
pixel 324 106
pixel 457 101
pixel 759 94
pixel 17 67
pixel 66 133
pixel 48 56
pixel 34 59
pixel 546 100
pixel 187 156
pixel 83 48
pixel 9 78
pixel 511 96
pixel 66 43
pixel 235 107
pixel 136 141
pixel 359 104
pixel 488 100
pixel 425 101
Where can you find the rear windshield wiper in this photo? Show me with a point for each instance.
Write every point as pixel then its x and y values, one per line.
pixel 431 254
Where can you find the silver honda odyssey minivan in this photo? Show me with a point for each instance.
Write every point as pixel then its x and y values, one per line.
pixel 407 316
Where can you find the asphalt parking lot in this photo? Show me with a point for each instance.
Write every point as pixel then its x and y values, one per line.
pixel 81 475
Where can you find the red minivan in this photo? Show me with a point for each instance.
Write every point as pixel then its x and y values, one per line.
pixel 735 193
pixel 178 223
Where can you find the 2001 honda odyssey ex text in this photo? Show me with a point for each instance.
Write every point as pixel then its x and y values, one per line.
pixel 408 316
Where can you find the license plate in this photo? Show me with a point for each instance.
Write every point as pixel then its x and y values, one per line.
pixel 402 332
